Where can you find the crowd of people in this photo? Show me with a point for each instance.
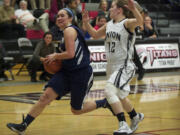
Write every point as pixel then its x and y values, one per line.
pixel 76 74
pixel 15 21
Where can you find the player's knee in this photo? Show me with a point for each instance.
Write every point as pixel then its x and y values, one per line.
pixel 110 93
pixel 122 94
pixel 44 99
pixel 76 112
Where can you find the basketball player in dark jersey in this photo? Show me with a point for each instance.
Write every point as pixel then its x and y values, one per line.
pixel 75 76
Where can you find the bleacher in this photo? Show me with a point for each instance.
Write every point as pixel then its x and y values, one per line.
pixel 164 13
pixel 166 16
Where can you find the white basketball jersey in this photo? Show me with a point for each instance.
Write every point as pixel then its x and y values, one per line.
pixel 119 46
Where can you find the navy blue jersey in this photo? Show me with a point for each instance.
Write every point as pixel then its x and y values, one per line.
pixel 82 54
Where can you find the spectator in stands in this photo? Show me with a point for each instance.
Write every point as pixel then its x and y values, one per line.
pixel 149 30
pixel 73 5
pixel 79 6
pixel 43 48
pixel 56 5
pixel 26 18
pixel 101 20
pixel 57 33
pixel 79 10
pixel 103 8
pixel 9 25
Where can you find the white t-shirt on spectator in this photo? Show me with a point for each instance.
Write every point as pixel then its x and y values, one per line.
pixel 24 16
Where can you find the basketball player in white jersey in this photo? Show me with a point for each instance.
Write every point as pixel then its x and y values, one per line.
pixel 119 42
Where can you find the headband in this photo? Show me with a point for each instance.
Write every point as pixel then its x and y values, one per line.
pixel 69 11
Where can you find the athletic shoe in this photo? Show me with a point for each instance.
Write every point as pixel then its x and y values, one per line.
pixel 18 128
pixel 107 105
pixel 123 129
pixel 134 122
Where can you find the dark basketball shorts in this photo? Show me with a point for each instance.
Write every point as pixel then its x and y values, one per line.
pixel 78 83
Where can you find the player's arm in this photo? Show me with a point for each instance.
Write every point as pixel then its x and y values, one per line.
pixel 131 24
pixel 96 34
pixel 70 36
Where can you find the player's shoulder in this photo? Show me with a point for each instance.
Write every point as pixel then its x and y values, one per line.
pixel 69 30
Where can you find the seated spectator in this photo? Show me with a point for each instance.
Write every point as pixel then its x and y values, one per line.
pixel 73 5
pixel 56 5
pixel 57 33
pixel 149 29
pixel 103 8
pixel 9 25
pixel 43 48
pixel 79 10
pixel 101 20
pixel 29 21
pixel 79 6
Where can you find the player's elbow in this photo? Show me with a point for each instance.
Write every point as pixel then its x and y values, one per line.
pixel 71 55
pixel 140 22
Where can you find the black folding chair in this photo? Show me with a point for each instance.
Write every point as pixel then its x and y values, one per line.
pixel 26 49
pixel 6 61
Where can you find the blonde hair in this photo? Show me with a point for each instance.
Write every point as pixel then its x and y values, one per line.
pixel 121 4
pixel 128 13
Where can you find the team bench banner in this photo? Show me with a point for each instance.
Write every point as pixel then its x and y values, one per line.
pixel 152 55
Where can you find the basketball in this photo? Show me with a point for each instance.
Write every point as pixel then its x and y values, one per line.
pixel 52 68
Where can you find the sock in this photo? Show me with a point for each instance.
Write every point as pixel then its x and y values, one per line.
pixel 100 103
pixel 121 116
pixel 28 119
pixel 132 114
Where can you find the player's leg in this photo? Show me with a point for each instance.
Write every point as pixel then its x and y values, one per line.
pixel 52 91
pixel 111 93
pixel 123 93
pixel 80 87
pixel 134 116
pixel 48 96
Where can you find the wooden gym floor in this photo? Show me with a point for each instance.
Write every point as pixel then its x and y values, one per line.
pixel 157 96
